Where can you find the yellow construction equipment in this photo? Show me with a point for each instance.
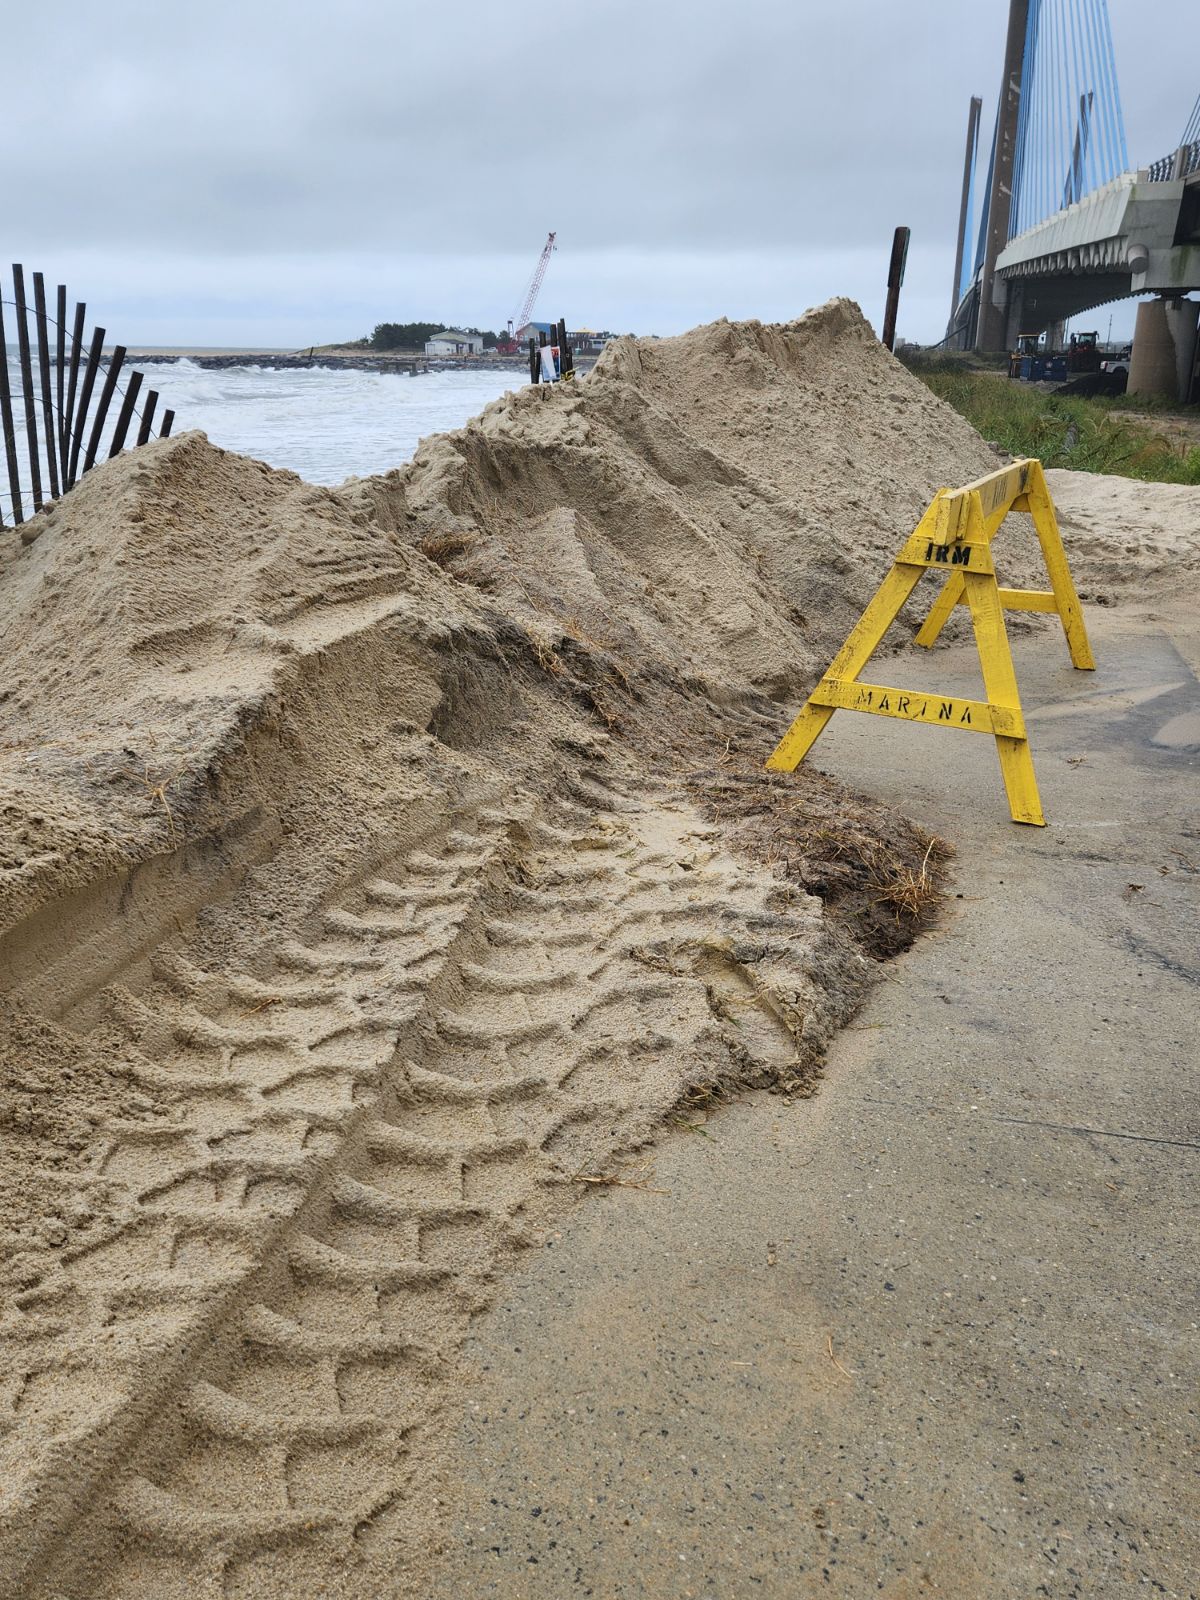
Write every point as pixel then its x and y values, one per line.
pixel 955 537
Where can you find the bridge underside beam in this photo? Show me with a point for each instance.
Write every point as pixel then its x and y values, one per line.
pixel 1034 304
pixel 1131 236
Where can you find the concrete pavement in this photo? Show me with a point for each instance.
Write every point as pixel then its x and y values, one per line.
pixel 934 1331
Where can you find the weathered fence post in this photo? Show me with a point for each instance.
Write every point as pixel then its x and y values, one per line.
pixel 10 432
pixel 143 433
pixel 31 437
pixel 106 394
pixel 85 399
pixel 43 335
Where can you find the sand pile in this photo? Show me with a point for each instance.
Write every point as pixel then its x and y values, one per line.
pixel 142 630
pixel 1125 538
pixel 359 908
pixel 716 507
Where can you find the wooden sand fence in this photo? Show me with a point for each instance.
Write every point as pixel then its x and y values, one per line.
pixel 71 436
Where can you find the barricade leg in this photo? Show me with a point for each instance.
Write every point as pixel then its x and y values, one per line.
pixel 858 649
pixel 941 611
pixel 1000 686
pixel 1041 508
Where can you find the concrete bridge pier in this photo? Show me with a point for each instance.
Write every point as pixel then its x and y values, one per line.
pixel 1014 313
pixel 1164 347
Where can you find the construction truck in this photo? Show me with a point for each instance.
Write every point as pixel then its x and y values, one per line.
pixel 1083 353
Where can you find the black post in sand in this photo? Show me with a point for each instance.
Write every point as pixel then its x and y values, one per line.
pixel 895 279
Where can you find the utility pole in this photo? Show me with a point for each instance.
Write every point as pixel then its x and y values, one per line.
pixel 968 167
pixel 991 334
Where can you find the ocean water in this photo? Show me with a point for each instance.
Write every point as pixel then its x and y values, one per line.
pixel 325 424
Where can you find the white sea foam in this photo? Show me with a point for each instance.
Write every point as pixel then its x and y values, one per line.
pixel 326 424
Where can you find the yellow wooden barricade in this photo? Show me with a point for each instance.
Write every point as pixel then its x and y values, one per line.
pixel 954 537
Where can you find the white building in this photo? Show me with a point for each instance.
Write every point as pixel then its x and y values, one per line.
pixel 453 342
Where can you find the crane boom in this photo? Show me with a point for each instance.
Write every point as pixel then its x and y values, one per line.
pixel 535 284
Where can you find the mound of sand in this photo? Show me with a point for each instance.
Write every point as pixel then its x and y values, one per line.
pixel 144 630
pixel 1126 538
pixel 716 507
pixel 361 902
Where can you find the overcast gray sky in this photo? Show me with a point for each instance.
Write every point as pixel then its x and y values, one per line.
pixel 284 174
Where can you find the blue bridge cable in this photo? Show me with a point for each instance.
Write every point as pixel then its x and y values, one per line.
pixel 1106 165
pixel 984 216
pixel 1078 81
pixel 1101 141
pixel 1118 159
pixel 1090 104
pixel 1113 162
pixel 1027 197
pixel 1071 76
pixel 1070 137
pixel 1070 100
pixel 1049 138
pixel 1192 131
pixel 1121 153
pixel 1097 92
pixel 1019 176
pixel 1032 212
pixel 1044 109
pixel 1053 141
pixel 1045 132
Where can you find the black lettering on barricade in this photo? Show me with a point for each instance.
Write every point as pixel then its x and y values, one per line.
pixel 865 697
pixel 902 705
pixel 885 704
pixel 955 555
pixel 966 716
pixel 945 710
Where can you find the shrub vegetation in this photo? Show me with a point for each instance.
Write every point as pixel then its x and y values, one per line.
pixel 1087 435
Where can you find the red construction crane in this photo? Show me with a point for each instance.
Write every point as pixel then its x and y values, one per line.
pixel 535 283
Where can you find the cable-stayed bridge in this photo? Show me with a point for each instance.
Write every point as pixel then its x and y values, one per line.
pixel 1058 221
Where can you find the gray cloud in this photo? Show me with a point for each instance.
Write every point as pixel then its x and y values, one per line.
pixel 382 159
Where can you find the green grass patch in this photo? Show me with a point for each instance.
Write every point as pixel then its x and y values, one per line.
pixel 1061 430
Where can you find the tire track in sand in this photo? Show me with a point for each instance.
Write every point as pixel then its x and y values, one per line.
pixel 369 1135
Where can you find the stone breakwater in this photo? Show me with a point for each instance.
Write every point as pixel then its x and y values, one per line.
pixel 276 362
pixel 344 362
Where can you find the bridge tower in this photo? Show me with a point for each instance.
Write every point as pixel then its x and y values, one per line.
pixel 991 329
pixel 1059 140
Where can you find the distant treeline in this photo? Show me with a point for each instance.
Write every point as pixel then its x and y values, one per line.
pixel 412 335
